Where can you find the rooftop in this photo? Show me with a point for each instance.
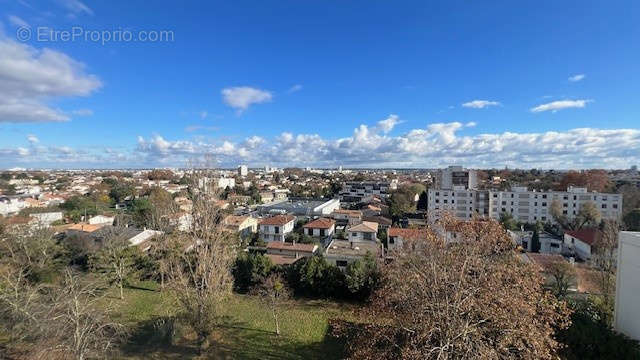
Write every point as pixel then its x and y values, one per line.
pixel 310 248
pixel 365 226
pixel 277 220
pixel 349 248
pixel 588 236
pixel 321 223
pixel 408 233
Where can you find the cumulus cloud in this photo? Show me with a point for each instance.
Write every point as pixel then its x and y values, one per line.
pixel 480 104
pixel 435 145
pixel 576 78
pixel 30 78
pixel 560 105
pixel 294 88
pixel 241 97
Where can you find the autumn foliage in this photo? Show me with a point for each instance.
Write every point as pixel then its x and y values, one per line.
pixel 474 298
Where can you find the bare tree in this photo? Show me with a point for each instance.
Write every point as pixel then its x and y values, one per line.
pixel 473 298
pixel 274 293
pixel 115 261
pixel 76 325
pixel 604 260
pixel 200 275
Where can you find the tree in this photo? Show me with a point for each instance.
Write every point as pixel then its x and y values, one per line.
pixel 274 293
pixel 535 241
pixel 314 276
pixel 593 180
pixel 509 223
pixel 250 270
pixel 587 215
pixel 120 192
pixel 76 325
pixel 632 220
pixel 564 274
pixel 603 258
pixel 401 202
pixel 115 261
pixel 470 299
pixel 200 276
pixel 361 277
pixel 423 201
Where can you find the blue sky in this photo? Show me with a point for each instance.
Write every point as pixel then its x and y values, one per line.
pixel 322 83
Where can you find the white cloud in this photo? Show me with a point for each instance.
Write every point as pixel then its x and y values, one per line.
pixel 30 78
pixel 17 21
pixel 560 104
pixel 294 88
pixel 33 139
pixel 480 104
pixel 76 6
pixel 388 124
pixel 576 78
pixel 471 124
pixel 242 97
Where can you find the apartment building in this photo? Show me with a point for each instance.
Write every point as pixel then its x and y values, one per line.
pixel 524 205
pixel 458 196
pixel 276 228
pixel 356 191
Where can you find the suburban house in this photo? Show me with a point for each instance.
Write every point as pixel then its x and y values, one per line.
pixel 243 225
pixel 549 244
pixel 344 252
pixel 397 236
pixel 92 236
pixel 365 231
pixel 286 253
pixel 321 227
pixel 276 228
pixel 47 218
pixel 266 196
pixel 344 217
pixel 383 222
pixel 580 242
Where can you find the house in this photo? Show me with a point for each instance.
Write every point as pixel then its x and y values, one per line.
pixel 344 252
pixel 276 228
pixel 92 237
pixel 286 253
pixel 266 196
pixel 397 236
pixel 245 226
pixel 580 242
pixel 627 306
pixel 239 200
pixel 365 231
pixel 102 219
pixel 344 217
pixel 321 227
pixel 383 222
pixel 549 244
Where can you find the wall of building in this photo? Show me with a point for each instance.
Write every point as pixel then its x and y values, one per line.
pixel 627 307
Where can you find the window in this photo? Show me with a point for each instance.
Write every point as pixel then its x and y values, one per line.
pixel 392 240
pixel 437 201
pixel 341 263
pixel 322 231
pixel 615 206
pixel 544 196
pixel 276 229
pixel 554 245
pixel 446 201
pixel 544 204
pixel 604 206
pixel 354 234
pixel 504 203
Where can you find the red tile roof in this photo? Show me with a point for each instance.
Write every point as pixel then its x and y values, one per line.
pixel 588 236
pixel 277 220
pixel 321 223
pixel 365 226
pixel 277 259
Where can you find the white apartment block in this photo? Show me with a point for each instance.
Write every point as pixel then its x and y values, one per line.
pixel 243 170
pixel 358 190
pixel 525 206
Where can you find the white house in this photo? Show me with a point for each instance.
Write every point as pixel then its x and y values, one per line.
pixel 243 225
pixel 276 228
pixel 581 242
pixel 46 219
pixel 627 307
pixel 321 227
pixel 397 236
pixel 365 231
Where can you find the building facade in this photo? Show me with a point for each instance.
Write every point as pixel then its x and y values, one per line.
pixel 524 205
pixel 356 191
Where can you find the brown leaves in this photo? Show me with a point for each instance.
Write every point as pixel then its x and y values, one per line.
pixel 470 299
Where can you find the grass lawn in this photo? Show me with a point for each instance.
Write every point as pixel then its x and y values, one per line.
pixel 247 331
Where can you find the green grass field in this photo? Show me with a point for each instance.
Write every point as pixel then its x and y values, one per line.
pixel 247 331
